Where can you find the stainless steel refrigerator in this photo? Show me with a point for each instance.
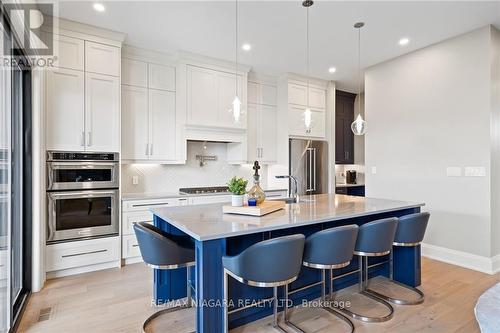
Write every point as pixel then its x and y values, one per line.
pixel 308 162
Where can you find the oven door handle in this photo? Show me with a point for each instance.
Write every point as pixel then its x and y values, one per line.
pixel 83 194
pixel 83 165
pixel 52 220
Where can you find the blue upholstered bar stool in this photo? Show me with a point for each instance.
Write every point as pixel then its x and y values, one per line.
pixel 328 250
pixel 160 250
pixel 268 264
pixel 410 232
pixel 374 239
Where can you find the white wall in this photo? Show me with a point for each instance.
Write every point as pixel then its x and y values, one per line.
pixel 359 140
pixel 426 111
pixel 156 178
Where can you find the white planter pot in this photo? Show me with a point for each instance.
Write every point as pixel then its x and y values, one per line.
pixel 237 200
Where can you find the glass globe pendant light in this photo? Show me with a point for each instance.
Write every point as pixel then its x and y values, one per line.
pixel 307 112
pixel 358 126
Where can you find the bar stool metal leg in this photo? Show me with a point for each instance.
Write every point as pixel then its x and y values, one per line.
pixel 399 301
pixel 187 305
pixel 363 268
pixel 331 310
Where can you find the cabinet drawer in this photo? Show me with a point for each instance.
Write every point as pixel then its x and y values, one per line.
pixel 130 248
pixel 209 199
pixel 128 220
pixel 145 205
pixel 81 253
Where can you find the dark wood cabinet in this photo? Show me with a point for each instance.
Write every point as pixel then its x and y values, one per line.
pixel 344 138
pixel 358 191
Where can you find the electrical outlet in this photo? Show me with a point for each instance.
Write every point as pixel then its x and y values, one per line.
pixel 475 172
pixel 374 170
pixel 135 180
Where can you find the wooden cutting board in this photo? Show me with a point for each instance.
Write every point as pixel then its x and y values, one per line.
pixel 264 208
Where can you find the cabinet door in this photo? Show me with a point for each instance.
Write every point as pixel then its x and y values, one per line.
pixel 102 59
pixel 134 73
pixel 254 93
pixel 161 77
pixel 69 52
pixel 269 94
pixel 297 94
pixel 163 126
pixel 102 112
pixel 317 98
pixel 268 124
pixel 344 138
pixel 253 123
pixel 226 84
pixel 135 123
pixel 297 127
pixel 201 96
pixel 65 111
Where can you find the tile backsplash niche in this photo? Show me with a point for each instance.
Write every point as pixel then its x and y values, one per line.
pixel 163 178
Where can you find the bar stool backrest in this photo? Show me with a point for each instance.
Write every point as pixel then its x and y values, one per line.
pixel 273 260
pixel 411 228
pixel 376 237
pixel 161 249
pixel 334 246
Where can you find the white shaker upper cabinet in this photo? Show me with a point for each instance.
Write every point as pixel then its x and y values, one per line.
pixel 268 138
pixel 102 112
pixel 269 94
pixel 254 92
pixel 297 94
pixel 161 77
pixel 317 98
pixel 65 110
pixel 134 73
pixel 201 96
pixel 69 52
pixel 135 123
pixel 102 59
pixel 163 125
pixel 226 93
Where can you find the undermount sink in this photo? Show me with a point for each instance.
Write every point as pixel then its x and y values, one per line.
pixel 294 200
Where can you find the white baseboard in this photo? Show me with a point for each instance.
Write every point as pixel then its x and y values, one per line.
pixel 83 269
pixel 463 259
pixel 133 260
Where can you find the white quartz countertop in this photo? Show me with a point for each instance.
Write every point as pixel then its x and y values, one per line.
pixel 168 195
pixel 207 222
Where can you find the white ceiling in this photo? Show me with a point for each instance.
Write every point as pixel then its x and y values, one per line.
pixel 276 30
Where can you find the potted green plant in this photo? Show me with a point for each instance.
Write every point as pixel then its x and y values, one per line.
pixel 237 186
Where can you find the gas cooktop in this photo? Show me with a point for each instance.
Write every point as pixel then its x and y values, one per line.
pixel 204 190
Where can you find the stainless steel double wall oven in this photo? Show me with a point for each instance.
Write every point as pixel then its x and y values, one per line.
pixel 82 193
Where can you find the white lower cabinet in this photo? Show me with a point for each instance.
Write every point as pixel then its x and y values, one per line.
pixel 130 247
pixel 81 253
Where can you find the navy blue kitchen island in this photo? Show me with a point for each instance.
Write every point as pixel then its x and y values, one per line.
pixel 216 234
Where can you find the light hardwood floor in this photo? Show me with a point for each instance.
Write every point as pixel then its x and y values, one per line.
pixel 119 301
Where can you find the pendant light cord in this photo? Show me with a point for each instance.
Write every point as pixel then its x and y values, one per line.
pixel 359 70
pixel 236 48
pixel 307 52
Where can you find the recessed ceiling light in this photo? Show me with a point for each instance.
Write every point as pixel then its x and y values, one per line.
pixel 246 47
pixel 99 7
pixel 404 41
pixel 332 70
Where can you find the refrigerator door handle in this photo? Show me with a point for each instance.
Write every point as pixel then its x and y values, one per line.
pixel 314 170
pixel 310 171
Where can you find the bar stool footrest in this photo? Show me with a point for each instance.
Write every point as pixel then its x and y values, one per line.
pixel 368 319
pixel 399 301
pixel 162 312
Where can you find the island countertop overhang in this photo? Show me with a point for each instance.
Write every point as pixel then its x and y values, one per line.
pixel 207 222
